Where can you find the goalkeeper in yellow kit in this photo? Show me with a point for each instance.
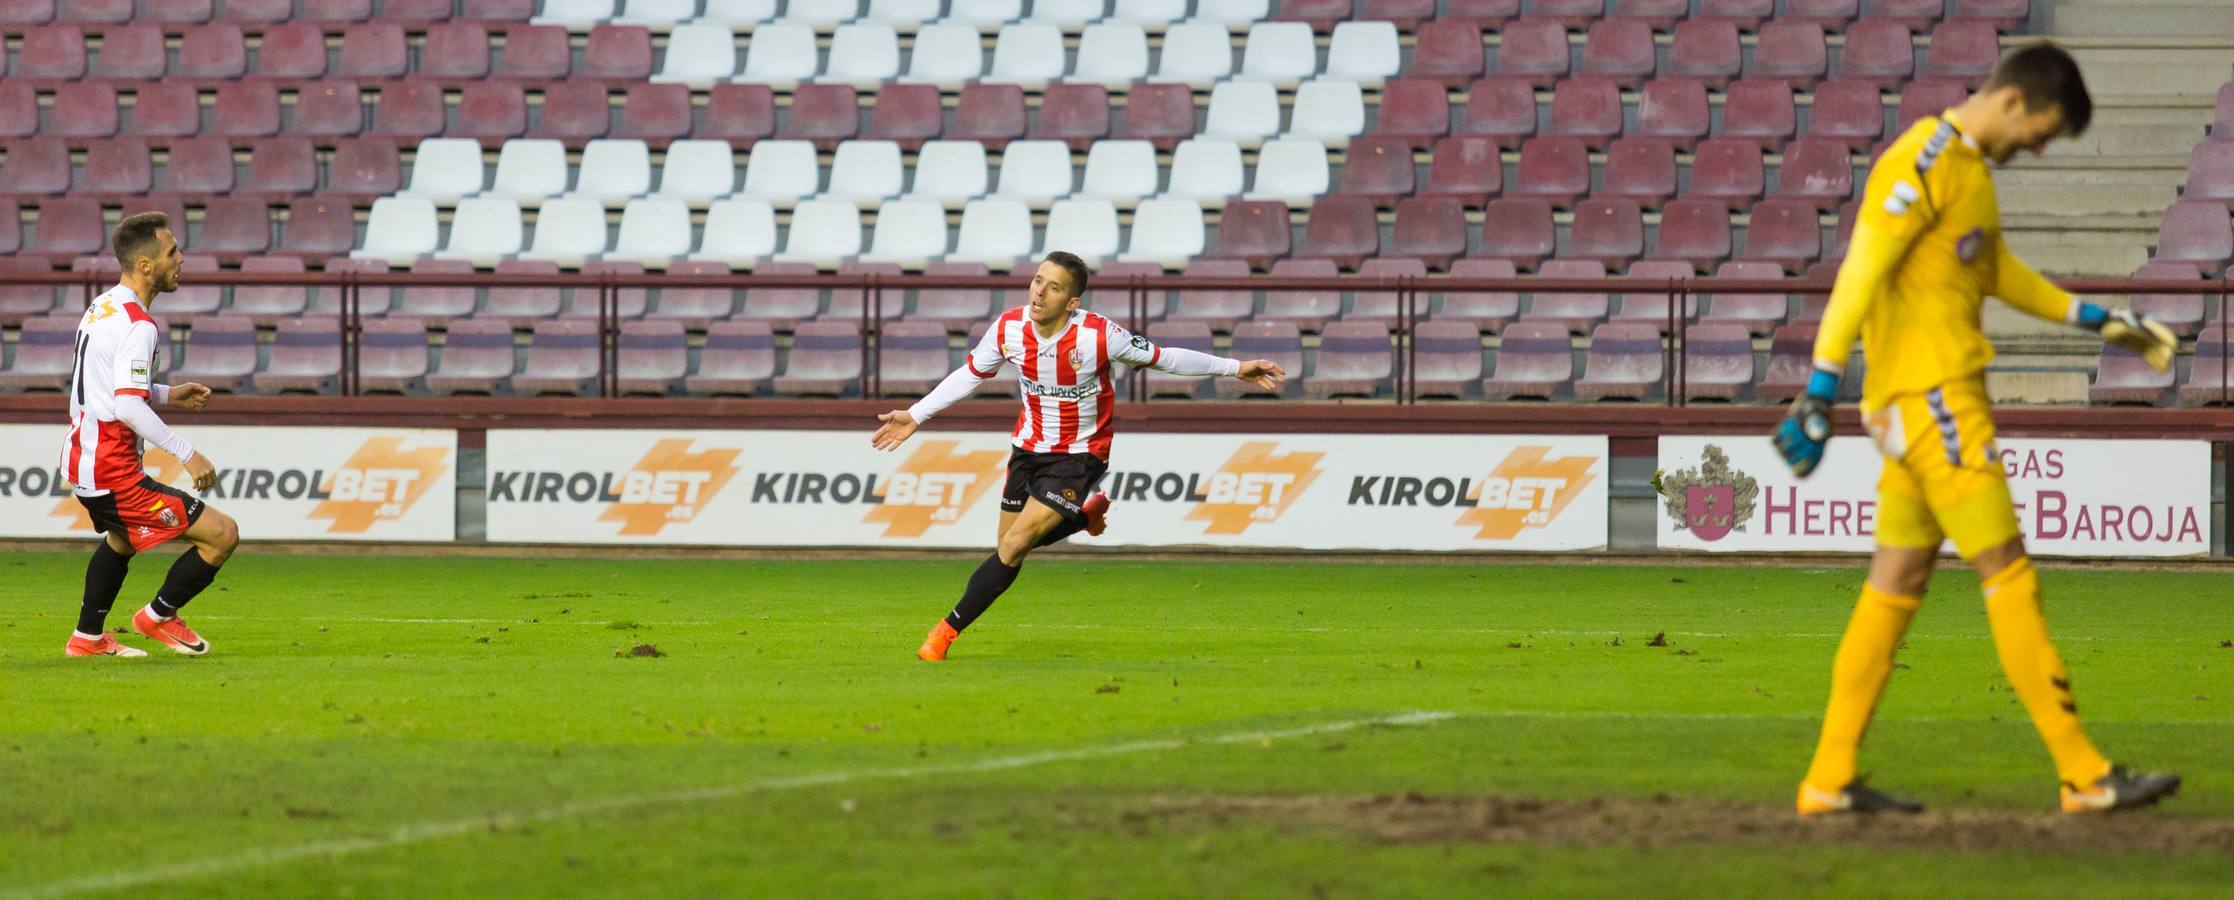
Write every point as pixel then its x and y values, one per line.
pixel 1926 250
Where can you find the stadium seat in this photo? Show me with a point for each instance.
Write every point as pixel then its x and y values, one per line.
pixel 1759 110
pixel 162 110
pixel 130 52
pixel 652 357
pixel 2006 15
pixel 1431 229
pixel 1085 227
pixel 1180 334
pixel 257 11
pixel 1167 231
pixel 1534 49
pixel 1570 13
pixel 1790 51
pixel 1255 231
pixel 1816 170
pixel 1639 170
pixel 1717 363
pixel 527 171
pixel 696 172
pixel 1651 307
pixel 328 110
pixel 88 110
pixel 1790 363
pixel 1284 53
pixel 1728 171
pixel 2122 376
pixel 534 53
pixel 578 15
pixel 1962 49
pixel 628 302
pixel 1620 50
pixel 1878 53
pixel 950 173
pixel 1534 360
pixel 1586 109
pixel 1830 15
pixel 1696 231
pixel 233 227
pixel 2196 231
pixel 2183 313
pixel 695 307
pixel 946 55
pixel 2210 171
pixel 781 307
pixel 1356 359
pixel 1344 229
pixel 825 360
pixel 888 302
pixel 1756 313
pixel 220 352
pixel 569 231
pixel 1027 54
pixel 1075 114
pixel 1367 53
pixel 1465 168
pixel 291 51
pixel 117 166
pixel 200 166
pixel 1381 307
pixel 1517 230
pixel 1705 51
pixel 1379 170
pixel 1553 169
pixel 1576 312
pixel 247 110
pixel 1672 110
pixel 372 50
pixel 909 232
pixel 1218 309
pixel 1503 109
pixel 408 110
pixel 1320 15
pixel 823 232
pixel 1851 112
pixel 316 228
pixel 1232 12
pixel 490 112
pixel 1785 232
pixel 1607 230
pixel 477 358
pixel 905 16
pixel 1245 112
pixel 738 358
pixel 862 54
pixel 827 114
pixel 19 302
pixel 956 309
pixel 911 358
pixel 2208 376
pixel 51 53
pixel 994 232
pixel 454 50
pixel 363 169
pixel 1111 55
pixel 1293 171
pixel 656 113
pixel 1279 342
pixel 19 110
pixel 1624 362
pixel 993 114
pixel 1036 172
pixel 336 13
pixel 1446 360
pixel 865 172
pixel 45 349
pixel 617 54
pixel 742 16
pixel 1307 310
pixel 268 304
pixel 654 231
pixel 192 301
pixel 400 230
pixel 179 12
pixel 1162 114
pixel 1066 15
pixel 447 170
pixel 1409 15
pixel 820 15
pixel 1121 172
pixel 1415 110
pixel 483 231
pixel 702 53
pixel 741 114
pixel 781 173
pixel 574 112
pixel 906 114
pixel 563 358
pixel 1207 171
pixel 1449 51
pixel 1154 15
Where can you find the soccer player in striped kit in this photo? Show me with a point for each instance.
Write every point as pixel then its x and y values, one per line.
pixel 1064 358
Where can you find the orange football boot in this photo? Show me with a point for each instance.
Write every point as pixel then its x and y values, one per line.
pixel 105 646
pixel 172 633
pixel 934 644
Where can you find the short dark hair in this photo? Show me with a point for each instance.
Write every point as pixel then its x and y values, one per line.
pixel 135 237
pixel 1072 264
pixel 2043 73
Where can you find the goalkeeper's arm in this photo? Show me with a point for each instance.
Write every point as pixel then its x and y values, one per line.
pixel 2021 287
pixel 1870 259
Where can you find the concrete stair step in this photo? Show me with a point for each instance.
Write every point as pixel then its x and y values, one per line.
pixel 2068 249
pixel 2138 18
pixel 2113 71
pixel 2037 387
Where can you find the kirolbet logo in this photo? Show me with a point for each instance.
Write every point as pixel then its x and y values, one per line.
pixel 379 483
pixel 671 483
pixel 935 485
pixel 1257 484
pixel 1529 489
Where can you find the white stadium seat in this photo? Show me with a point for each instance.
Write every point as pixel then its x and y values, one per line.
pixel 740 232
pixel 865 172
pixel 995 232
pixel 1068 15
pixel 1113 56
pixel 823 232
pixel 699 54
pixel 1167 231
pixel 1199 54
pixel 1207 171
pixel 1329 110
pixel 1290 170
pixel 576 15
pixel 820 15
pixel 484 232
pixel 657 15
pixel 568 231
pixel 986 16
pixel 1153 15
pixel 654 231
pixel 947 54
pixel 864 55
pixel 782 172
pixel 780 55
pixel 909 232
pixel 1030 55
pixel 1036 172
pixel 614 171
pixel 1085 227
pixel 528 171
pixel 401 230
pixel 1284 53
pixel 1121 172
pixel 697 172
pixel 446 170
pixel 1233 13
pixel 951 173
pixel 905 16
pixel 1245 112
pixel 741 16
pixel 1365 52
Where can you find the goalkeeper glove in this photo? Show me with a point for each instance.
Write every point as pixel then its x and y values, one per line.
pixel 1807 427
pixel 2140 334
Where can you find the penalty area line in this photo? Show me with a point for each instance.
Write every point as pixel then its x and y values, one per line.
pixel 422 832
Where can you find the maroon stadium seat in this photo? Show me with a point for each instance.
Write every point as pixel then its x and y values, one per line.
pixel 618 53
pixel 523 306
pixel 1517 229
pixel 1964 49
pixel 1624 362
pixel 1587 109
pixel 365 169
pixel 328 110
pixel 1607 230
pixel 2007 15
pixel 391 355
pixel 1673 110
pixel 490 111
pixel 1569 13
pixel 131 52
pixel 1812 305
pixel 2210 171
pixel 371 300
pixel 1718 362
pixel 782 308
pixel 220 352
pixel 1486 13
pixel 2208 377
pixel 574 112
pixel 46 347
pixel 1446 360
pixel 1790 51
pixel 1077 114
pixel 2183 313
pixel 562 358
pixel 1650 307
pixel 205 166
pixel 1431 229
pixel 852 303
pixel 1877 52
pixel 956 309
pixel 653 357
pixel 628 302
pixel 1831 15
pixel 655 113
pixel 2196 231
pixel 291 51
pixel 179 12
pixel 1381 306
pixel 1849 111
pixel 1183 335
pixel 1219 309
pixel 535 53
pixel 409 110
pixel 1415 110
pixel 1163 114
pixel 233 227
pixel 415 12
pixel 2122 376
pixel 440 303
pixel 1276 341
pixel 1307 310
pixel 477 358
pixel 36 166
pixel 912 357
pixel 1695 231
pixel 909 114
pixel 19 109
pixel 1759 110
pixel 373 50
pixel 455 50
pixel 497 10
pixel 823 113
pixel 1660 14
pixel 1620 50
pixel 1791 362
pixel 212 51
pixel 1553 169
pixel 1255 231
pixel 19 302
pixel 739 113
pixel 166 109
pixel 737 358
pixel 1784 232
pixel 1355 360
pixel 257 11
pixel 51 53
pixel 1482 310
pixel 1466 168
pixel 1816 170
pixel 83 110
pixel 695 307
pixel 1407 14
pixel 118 166
pixel 825 359
pixel 1703 50
pixel 1534 49
pixel 1500 108
pixel 192 301
pixel 336 12
pixel 1727 170
pixel 268 303
pixel 1112 276
pixel 1925 97
pixel 1450 51
pixel 1379 170
pixel 1534 360
pixel 318 227
pixel 1639 170
pixel 1576 312
pixel 1756 313
pixel 1321 14
pixel 1343 229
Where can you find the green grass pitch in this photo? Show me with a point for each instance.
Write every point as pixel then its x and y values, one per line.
pixel 480 727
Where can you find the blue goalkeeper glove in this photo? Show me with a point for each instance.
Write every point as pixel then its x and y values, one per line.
pixel 2140 334
pixel 1807 427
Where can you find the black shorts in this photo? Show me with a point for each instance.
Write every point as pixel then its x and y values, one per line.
pixel 1060 480
pixel 146 514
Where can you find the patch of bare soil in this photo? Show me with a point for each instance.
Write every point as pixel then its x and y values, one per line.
pixel 1664 821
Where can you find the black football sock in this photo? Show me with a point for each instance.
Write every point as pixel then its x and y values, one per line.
pixel 1064 530
pixel 987 584
pixel 187 578
pixel 104 576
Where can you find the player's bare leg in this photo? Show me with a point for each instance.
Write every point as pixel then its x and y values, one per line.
pixel 2090 783
pixel 213 536
pixel 104 576
pixel 1890 598
pixel 1025 530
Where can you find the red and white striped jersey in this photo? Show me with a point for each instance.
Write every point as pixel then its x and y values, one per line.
pixel 116 357
pixel 1069 391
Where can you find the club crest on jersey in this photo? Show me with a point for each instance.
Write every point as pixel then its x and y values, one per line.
pixel 170 519
pixel 1967 247
pixel 1078 359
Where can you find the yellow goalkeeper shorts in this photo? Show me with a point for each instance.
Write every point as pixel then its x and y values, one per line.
pixel 1943 474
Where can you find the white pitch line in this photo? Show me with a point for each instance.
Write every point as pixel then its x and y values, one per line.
pixel 422 832
pixel 1542 632
pixel 380 620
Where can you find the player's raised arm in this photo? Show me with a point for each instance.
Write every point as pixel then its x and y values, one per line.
pixel 1136 350
pixel 983 363
pixel 2024 289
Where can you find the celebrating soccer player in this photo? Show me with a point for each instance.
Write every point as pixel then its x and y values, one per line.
pixel 109 416
pixel 1925 251
pixel 1063 357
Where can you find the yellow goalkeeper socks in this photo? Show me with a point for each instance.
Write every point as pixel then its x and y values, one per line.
pixel 1858 674
pixel 2037 673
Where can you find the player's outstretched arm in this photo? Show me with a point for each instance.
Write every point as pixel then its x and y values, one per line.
pixel 1263 373
pixel 189 396
pixel 897 426
pixel 2024 289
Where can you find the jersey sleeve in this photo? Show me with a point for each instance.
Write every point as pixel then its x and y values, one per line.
pixel 985 359
pixel 1132 349
pixel 134 362
pixel 1897 206
pixel 2024 289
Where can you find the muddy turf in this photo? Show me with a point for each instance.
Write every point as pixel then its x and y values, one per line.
pixel 370 726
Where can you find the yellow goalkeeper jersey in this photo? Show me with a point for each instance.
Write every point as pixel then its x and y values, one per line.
pixel 1926 250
